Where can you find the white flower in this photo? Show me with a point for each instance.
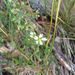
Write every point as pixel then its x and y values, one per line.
pixel 32 34
pixel 39 39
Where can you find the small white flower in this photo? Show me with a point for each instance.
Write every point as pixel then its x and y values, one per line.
pixel 38 39
pixel 32 34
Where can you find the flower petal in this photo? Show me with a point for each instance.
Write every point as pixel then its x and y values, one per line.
pixel 41 35
pixel 44 39
pixel 34 33
pixel 36 38
pixel 41 43
pixel 31 33
pixel 31 36
pixel 36 42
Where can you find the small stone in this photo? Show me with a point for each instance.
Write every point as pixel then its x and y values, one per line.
pixel 58 39
pixel 15 53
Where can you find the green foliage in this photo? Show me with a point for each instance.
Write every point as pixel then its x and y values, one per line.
pixel 1 40
pixel 20 28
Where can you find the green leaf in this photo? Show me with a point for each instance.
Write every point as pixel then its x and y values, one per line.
pixel 38 54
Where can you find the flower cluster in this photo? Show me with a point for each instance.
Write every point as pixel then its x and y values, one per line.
pixel 39 39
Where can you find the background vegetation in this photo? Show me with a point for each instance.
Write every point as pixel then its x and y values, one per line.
pixel 31 50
